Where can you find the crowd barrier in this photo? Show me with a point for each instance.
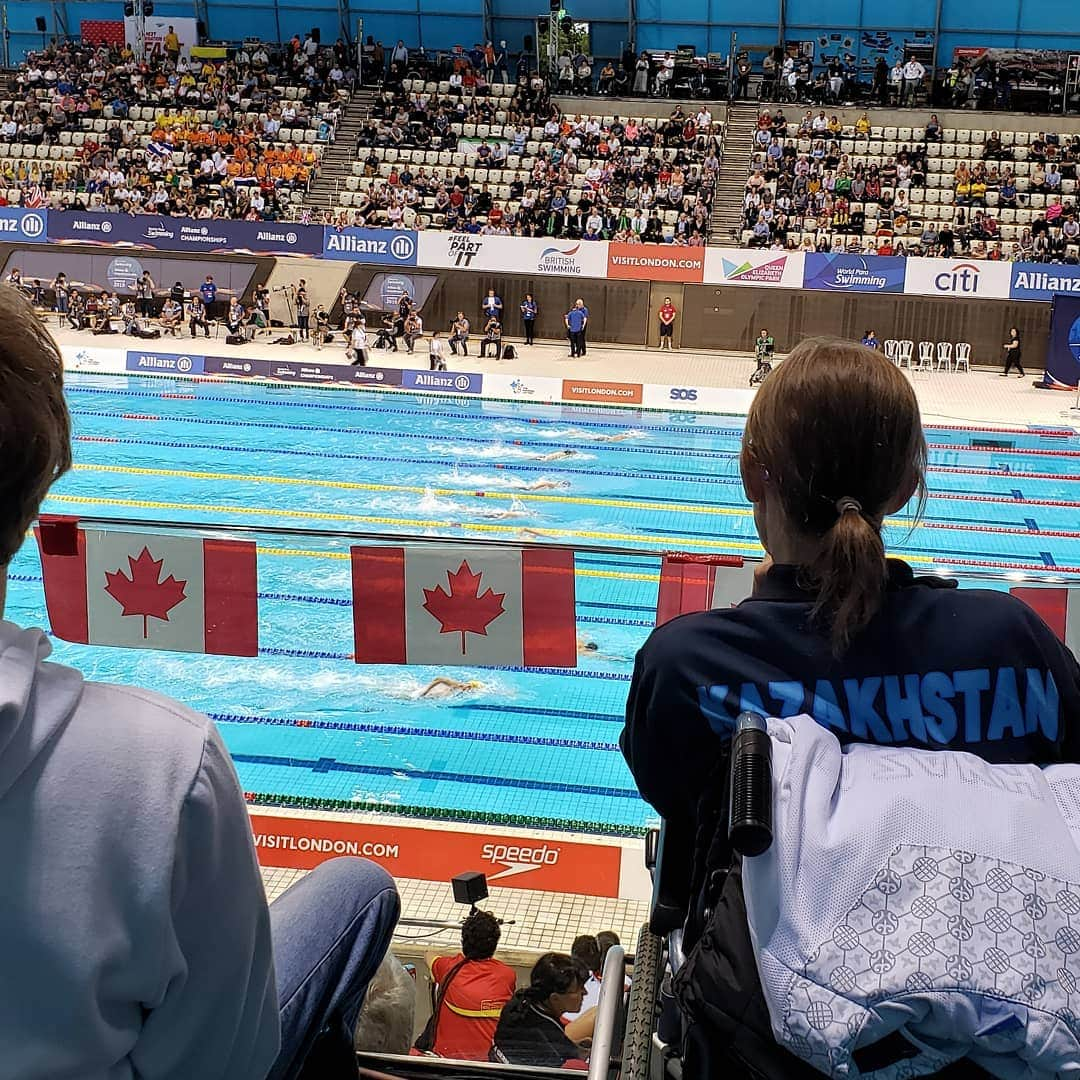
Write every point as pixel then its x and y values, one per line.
pixel 959 277
pixel 549 390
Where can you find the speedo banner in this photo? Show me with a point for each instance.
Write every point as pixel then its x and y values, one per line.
pixel 1063 354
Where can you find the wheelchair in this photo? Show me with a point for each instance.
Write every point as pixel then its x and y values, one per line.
pixel 764 355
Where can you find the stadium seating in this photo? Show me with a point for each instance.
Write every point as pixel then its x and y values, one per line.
pixel 88 130
pixel 890 190
pixel 508 163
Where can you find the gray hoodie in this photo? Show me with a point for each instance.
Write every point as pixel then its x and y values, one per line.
pixel 134 931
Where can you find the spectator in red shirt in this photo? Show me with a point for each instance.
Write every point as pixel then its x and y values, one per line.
pixel 474 987
pixel 667 314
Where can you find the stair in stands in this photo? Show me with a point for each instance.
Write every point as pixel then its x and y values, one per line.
pixel 338 159
pixel 727 216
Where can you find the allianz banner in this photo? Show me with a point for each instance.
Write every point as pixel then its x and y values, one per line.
pixel 1043 281
pixel 513 254
pixel 391 247
pixel 20 226
pixel 853 273
pixel 185 234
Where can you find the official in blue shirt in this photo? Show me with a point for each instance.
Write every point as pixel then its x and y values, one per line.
pixel 529 311
pixel 577 319
pixel 492 306
pixel 208 291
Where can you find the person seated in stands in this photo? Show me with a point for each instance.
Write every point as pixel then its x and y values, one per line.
pixel 862 127
pixel 197 316
pixel 170 316
pixel 530 1030
pixel 1053 177
pixel 154 943
pixel 473 988
pixel 607 78
pixel 492 337
pixel 992 147
pixel 833 447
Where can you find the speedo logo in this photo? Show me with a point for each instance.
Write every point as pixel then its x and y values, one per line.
pixel 519 859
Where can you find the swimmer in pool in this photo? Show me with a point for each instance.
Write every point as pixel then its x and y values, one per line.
pixel 533 534
pixel 621 436
pixel 543 485
pixel 557 455
pixel 442 686
pixel 588 648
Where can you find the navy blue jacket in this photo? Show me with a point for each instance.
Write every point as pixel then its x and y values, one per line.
pixel 938 667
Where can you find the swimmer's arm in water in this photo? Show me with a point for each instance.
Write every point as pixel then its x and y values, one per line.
pixel 449 686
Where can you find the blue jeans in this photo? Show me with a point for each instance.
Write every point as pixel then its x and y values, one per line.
pixel 330 933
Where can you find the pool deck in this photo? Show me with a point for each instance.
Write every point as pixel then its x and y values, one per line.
pixel 545 918
pixel 981 397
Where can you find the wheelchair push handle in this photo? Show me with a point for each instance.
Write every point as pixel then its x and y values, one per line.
pixel 750 808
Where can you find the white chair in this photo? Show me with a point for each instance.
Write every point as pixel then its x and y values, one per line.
pixel 963 356
pixel 892 349
pixel 926 355
pixel 906 351
pixel 944 356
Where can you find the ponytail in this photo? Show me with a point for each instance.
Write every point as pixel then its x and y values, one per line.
pixel 849 574
pixel 836 434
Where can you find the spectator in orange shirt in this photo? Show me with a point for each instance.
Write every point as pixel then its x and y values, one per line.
pixel 474 987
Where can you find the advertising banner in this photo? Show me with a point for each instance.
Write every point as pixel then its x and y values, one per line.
pixel 536 862
pixel 19 226
pixel 165 363
pixel 960 277
pixel 853 273
pixel 388 246
pixel 1039 281
pixel 513 254
pixel 449 382
pixel 303 372
pixel 523 387
pixel 656 262
pixel 1063 354
pixel 156 27
pixel 616 393
pixel 745 266
pixel 185 234
pixel 686 399
pixel 238 366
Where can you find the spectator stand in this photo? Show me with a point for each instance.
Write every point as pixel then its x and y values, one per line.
pixel 91 128
pixel 836 180
pixel 507 160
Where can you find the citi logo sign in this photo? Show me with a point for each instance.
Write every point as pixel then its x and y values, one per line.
pixel 962 278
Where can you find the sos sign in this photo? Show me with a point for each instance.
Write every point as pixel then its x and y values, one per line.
pixel 681 393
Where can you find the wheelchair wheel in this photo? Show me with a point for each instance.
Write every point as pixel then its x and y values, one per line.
pixel 641 1010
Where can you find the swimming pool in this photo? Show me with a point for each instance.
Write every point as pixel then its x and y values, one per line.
pixel 531 747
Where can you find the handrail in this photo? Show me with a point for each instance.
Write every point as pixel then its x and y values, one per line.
pixel 612 985
pixel 1049 575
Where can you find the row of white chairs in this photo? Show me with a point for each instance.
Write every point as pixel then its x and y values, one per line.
pixel 933 356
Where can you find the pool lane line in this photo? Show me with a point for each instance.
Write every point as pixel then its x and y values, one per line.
pixel 420 489
pixel 421 732
pixel 409 523
pixel 622 503
pixel 373 408
pixel 1035 431
pixel 325 765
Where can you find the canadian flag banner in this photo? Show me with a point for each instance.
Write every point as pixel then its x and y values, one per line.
pixel 700 583
pixel 149 591
pixel 458 605
pixel 1059 609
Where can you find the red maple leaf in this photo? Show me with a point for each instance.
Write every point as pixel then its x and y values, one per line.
pixel 142 593
pixel 463 610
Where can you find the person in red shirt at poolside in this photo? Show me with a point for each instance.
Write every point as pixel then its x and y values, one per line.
pixel 473 988
pixel 667 314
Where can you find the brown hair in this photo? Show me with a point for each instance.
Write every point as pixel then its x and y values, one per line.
pixel 837 430
pixel 35 431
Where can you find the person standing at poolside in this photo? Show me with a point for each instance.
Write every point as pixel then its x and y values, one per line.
pixel 667 314
pixel 577 319
pixel 529 311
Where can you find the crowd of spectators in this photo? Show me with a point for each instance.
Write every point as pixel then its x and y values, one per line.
pixel 96 128
pixel 514 164
pixel 818 184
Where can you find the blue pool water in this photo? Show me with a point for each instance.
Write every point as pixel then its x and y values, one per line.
pixel 529 746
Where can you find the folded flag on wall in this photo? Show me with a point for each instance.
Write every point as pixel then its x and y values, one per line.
pixel 1059 608
pixel 149 591
pixel 464 605
pixel 700 583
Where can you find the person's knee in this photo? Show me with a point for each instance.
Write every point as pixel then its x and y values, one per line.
pixel 356 877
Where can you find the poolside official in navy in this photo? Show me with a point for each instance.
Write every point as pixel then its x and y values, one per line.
pixel 577 319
